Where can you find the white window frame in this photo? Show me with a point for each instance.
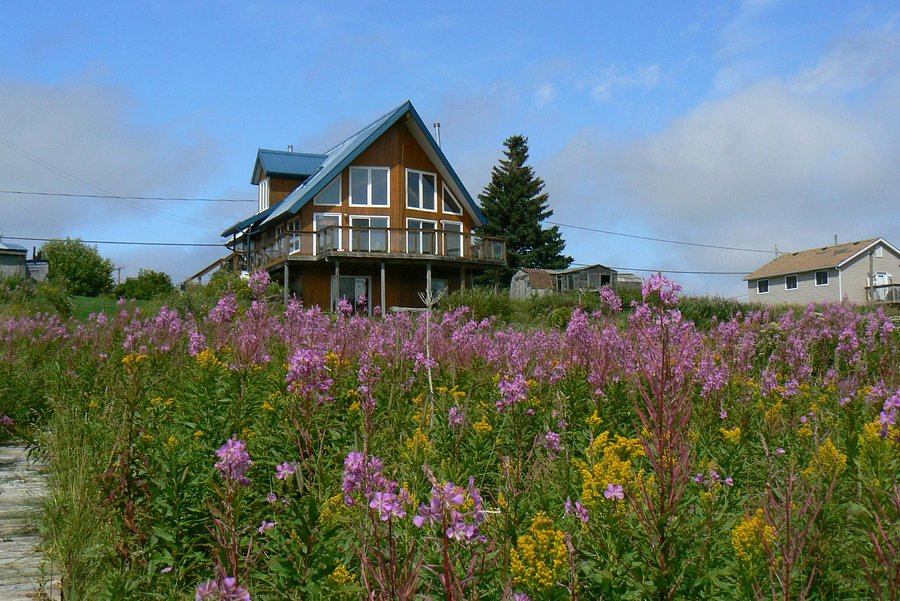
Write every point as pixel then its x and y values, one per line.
pixel 340 241
pixel 445 233
pixel 368 202
pixel 387 233
pixel 758 282
pixel 796 281
pixel 318 203
pixel 410 230
pixel 827 277
pixel 263 193
pixel 444 192
pixel 421 203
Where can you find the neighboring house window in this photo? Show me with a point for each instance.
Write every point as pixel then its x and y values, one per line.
pixel 790 282
pixel 421 237
pixel 264 194
pixel 330 196
pixel 369 234
pixel 328 237
pixel 821 278
pixel 879 252
pixel 421 192
pixel 452 238
pixel 450 203
pixel 762 286
pixel 369 186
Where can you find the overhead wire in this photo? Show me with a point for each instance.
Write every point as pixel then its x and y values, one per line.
pixel 118 197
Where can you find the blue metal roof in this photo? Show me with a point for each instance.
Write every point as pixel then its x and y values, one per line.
pixel 340 156
pixel 17 248
pixel 287 164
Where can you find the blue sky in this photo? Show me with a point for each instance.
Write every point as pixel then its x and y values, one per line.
pixel 746 124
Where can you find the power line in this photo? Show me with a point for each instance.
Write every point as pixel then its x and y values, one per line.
pixel 123 242
pixel 681 271
pixel 681 242
pixel 115 197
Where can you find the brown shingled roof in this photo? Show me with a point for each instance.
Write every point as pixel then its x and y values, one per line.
pixel 539 278
pixel 827 257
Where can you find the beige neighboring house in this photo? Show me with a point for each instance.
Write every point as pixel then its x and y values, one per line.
pixel 867 271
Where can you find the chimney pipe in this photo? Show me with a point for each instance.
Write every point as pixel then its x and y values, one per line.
pixel 835 239
pixel 290 148
pixel 437 132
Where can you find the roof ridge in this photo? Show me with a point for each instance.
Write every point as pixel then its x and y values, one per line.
pixel 369 126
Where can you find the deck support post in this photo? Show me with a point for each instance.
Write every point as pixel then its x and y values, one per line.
pixel 427 278
pixel 287 283
pixel 462 278
pixel 336 286
pixel 383 292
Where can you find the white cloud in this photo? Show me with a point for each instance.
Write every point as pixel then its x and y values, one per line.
pixel 544 95
pixel 615 77
pixel 81 137
pixel 856 62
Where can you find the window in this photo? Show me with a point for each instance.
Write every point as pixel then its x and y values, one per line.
pixel 439 286
pixel 762 286
pixel 369 234
pixel 452 238
pixel 879 252
pixel 330 196
pixel 294 235
pixel 369 186
pixel 450 204
pixel 328 231
pixel 421 236
pixel 421 192
pixel 821 278
pixel 790 282
pixel 264 194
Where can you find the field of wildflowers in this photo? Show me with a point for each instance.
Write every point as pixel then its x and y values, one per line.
pixel 274 453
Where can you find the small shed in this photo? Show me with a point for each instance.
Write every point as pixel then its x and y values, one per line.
pixel 12 260
pixel 629 281
pixel 587 277
pixel 528 282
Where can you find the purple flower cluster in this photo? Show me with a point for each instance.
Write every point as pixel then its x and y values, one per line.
pixel 226 589
pixel 714 478
pixel 553 444
pixel 445 510
pixel 888 415
pixel 259 283
pixel 659 288
pixel 307 374
pixel 455 417
pixel 284 470
pixel 362 475
pixel 578 510
pixel 234 461
pixel 512 391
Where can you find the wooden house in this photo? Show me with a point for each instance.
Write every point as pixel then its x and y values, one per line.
pixel 377 219
pixel 12 260
pixel 585 277
pixel 866 271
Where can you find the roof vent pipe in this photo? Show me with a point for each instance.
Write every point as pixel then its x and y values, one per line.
pixel 835 239
pixel 437 132
pixel 290 148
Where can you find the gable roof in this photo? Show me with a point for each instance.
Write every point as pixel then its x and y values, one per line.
pixel 280 163
pixel 581 268
pixel 827 257
pixel 539 279
pixel 340 156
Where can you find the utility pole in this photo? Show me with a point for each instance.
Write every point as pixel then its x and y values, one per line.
pixel 119 277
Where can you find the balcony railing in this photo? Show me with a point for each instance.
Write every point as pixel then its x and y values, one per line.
pixel 885 293
pixel 354 241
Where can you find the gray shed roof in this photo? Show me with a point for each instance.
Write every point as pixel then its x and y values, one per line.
pixel 12 249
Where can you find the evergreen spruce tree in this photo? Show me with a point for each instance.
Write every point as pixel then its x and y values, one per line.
pixel 515 205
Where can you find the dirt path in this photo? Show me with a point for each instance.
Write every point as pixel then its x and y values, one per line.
pixel 21 491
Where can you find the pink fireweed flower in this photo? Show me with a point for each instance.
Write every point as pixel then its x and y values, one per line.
pixel 271 498
pixel 229 590
pixel 208 590
pixel 308 375
pixel 7 421
pixel 234 462
pixel 259 283
pixel 512 391
pixel 662 288
pixel 265 526
pixel 610 300
pixel 284 470
pixel 553 444
pixel 388 505
pixel 455 417
pixel 578 510
pixel 614 491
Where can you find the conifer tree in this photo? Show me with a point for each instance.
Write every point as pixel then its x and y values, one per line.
pixel 515 204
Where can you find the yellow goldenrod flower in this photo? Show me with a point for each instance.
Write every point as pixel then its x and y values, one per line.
pixel 828 461
pixel 131 361
pixel 341 576
pixel 751 537
pixel 732 436
pixel 207 359
pixel 594 421
pixel 483 426
pixel 267 407
pixel 540 557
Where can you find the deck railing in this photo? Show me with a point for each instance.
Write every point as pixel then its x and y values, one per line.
pixel 885 293
pixel 378 241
